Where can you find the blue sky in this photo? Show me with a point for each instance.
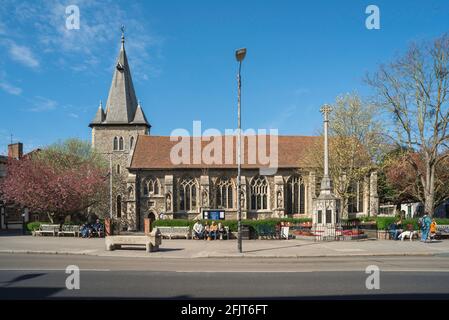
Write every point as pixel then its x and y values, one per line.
pixel 301 54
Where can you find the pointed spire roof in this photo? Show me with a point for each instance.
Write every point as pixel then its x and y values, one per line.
pixel 99 116
pixel 122 103
pixel 139 117
pixel 121 106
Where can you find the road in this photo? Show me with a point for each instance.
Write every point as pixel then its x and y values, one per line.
pixel 26 276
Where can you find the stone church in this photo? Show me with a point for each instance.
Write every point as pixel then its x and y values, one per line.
pixel 154 186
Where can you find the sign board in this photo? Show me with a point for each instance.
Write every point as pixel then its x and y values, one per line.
pixel 213 215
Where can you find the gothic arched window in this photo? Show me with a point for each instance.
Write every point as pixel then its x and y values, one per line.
pixel 145 189
pixel 119 206
pixel 187 194
pixel 355 199
pixel 225 193
pixel 151 186
pixel 295 195
pixel 119 169
pixel 120 143
pixel 115 144
pixel 131 143
pixel 259 193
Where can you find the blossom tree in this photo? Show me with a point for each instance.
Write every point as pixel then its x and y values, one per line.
pixel 61 180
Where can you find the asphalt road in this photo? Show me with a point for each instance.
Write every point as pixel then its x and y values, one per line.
pixel 43 277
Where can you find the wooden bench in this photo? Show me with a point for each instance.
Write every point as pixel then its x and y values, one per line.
pixel 173 232
pixel 44 229
pixel 442 231
pixel 70 230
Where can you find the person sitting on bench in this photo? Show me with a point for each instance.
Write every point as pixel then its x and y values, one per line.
pixel 198 230
pixel 98 228
pixel 213 230
pixel 206 231
pixel 86 230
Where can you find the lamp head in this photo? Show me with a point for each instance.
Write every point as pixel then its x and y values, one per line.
pixel 240 54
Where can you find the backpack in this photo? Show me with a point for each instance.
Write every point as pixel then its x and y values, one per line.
pixel 421 222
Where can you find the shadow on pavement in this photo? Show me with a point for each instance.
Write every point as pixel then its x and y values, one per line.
pixel 23 278
pixel 27 293
pixel 134 248
pixel 12 233
pixel 283 247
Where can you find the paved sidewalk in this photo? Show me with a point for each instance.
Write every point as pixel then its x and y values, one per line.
pixel 224 248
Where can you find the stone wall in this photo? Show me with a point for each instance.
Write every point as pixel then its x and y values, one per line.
pixel 102 141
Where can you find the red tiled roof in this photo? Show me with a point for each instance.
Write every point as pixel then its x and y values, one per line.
pixel 153 152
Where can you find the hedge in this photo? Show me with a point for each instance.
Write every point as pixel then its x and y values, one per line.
pixel 384 222
pixel 31 226
pixel 256 225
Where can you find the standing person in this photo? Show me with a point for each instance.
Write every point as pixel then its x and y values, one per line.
pixel 433 229
pixel 425 227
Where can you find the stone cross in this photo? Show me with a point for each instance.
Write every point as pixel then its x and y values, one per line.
pixel 326 110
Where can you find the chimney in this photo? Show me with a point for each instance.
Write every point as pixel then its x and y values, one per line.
pixel 15 150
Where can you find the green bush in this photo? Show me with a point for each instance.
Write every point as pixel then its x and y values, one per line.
pixel 32 226
pixel 367 219
pixel 384 222
pixel 256 225
pixel 442 221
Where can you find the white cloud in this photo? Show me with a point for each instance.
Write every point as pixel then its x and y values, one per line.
pixel 95 45
pixel 10 88
pixel 7 86
pixel 42 104
pixel 22 54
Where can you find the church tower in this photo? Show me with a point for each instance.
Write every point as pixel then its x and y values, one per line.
pixel 115 128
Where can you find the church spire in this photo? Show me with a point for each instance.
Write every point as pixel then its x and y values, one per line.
pixel 121 106
pixel 99 116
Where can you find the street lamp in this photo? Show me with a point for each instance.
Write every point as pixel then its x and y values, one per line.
pixel 239 55
pixel 110 186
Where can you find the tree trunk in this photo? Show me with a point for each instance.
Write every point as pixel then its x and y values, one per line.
pixel 344 208
pixel 50 217
pixel 429 190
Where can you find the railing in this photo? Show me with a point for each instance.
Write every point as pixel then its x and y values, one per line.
pixel 350 230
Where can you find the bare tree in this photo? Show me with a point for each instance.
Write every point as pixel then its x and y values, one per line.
pixel 355 144
pixel 414 91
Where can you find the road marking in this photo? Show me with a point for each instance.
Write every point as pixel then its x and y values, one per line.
pixel 36 269
pixel 308 271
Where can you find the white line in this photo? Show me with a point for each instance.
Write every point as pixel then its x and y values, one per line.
pixel 22 269
pixel 306 271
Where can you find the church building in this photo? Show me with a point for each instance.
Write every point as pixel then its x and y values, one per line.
pixel 154 186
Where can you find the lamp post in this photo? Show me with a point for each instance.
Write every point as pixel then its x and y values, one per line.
pixel 239 55
pixel 110 186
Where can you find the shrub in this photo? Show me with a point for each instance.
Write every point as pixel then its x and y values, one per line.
pixel 256 225
pixel 32 226
pixel 367 219
pixel 442 221
pixel 384 222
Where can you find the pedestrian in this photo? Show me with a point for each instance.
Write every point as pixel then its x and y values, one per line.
pixel 433 229
pixel 425 222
